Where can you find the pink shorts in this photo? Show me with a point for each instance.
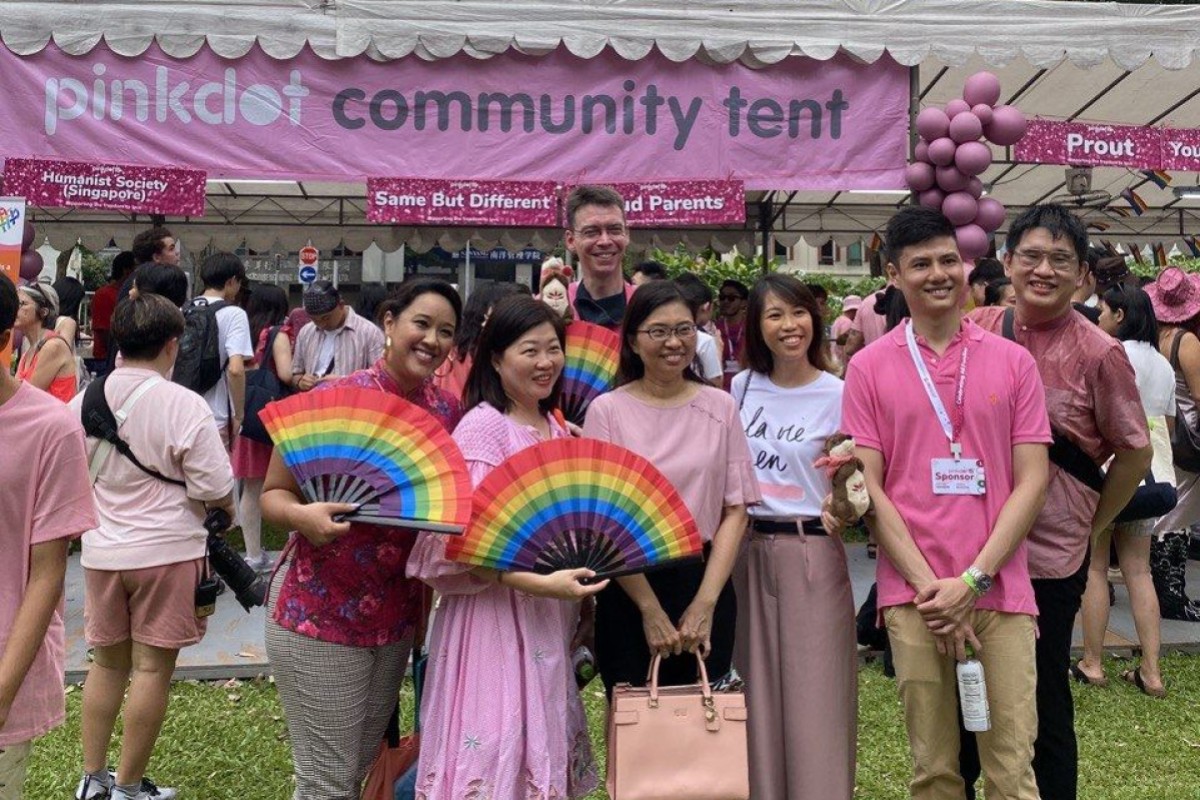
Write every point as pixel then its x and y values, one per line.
pixel 154 606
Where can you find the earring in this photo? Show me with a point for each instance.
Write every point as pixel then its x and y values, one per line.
pixel 387 343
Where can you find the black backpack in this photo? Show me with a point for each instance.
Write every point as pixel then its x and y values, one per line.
pixel 199 364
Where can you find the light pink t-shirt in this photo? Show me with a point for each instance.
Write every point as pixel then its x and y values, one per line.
pixel 698 445
pixel 146 522
pixel 868 322
pixel 46 497
pixel 885 408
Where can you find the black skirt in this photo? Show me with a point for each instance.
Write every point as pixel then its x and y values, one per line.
pixel 622 655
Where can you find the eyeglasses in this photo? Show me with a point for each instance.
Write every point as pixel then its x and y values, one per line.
pixel 723 296
pixel 593 232
pixel 661 333
pixel 1059 261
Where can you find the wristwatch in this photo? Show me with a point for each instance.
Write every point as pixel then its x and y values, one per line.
pixel 979 581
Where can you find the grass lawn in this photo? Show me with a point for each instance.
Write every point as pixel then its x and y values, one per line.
pixel 229 742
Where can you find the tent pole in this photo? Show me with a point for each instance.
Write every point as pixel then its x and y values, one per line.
pixel 765 207
pixel 914 108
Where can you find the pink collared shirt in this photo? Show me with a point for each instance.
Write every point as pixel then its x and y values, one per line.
pixel 885 408
pixel 1092 397
pixel 870 323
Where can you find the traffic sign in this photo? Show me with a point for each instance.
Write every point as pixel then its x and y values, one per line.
pixel 308 273
pixel 309 256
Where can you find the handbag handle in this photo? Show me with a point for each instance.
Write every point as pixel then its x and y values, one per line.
pixel 705 688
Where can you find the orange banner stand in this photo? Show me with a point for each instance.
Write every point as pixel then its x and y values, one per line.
pixel 12 228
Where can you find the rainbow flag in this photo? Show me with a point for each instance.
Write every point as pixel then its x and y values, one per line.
pixel 1160 254
pixel 1135 250
pixel 1193 244
pixel 876 242
pixel 1160 178
pixel 1118 210
pixel 1096 225
pixel 1110 247
pixel 1136 203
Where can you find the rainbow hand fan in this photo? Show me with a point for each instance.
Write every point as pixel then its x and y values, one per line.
pixel 374 450
pixel 572 503
pixel 592 354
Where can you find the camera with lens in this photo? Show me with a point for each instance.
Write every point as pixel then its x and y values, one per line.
pixel 248 587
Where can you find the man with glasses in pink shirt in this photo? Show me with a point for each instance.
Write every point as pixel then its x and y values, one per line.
pixel 950 423
pixel 1095 413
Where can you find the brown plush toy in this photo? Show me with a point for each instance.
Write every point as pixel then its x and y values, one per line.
pixel 849 500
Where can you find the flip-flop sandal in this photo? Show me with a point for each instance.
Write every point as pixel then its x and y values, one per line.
pixel 1082 677
pixel 1134 676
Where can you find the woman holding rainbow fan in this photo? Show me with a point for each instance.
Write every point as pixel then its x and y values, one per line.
pixel 509 721
pixel 342 613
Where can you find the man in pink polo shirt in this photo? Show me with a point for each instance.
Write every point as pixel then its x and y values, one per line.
pixel 46 500
pixel 951 425
pixel 1093 402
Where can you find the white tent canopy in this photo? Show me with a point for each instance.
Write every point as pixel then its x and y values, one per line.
pixel 1104 62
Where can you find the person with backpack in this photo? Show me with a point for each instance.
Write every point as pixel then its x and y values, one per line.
pixel 216 344
pixel 145 568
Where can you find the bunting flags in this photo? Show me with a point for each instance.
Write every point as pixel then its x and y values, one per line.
pixel 1160 254
pixel 1193 244
pixel 1136 203
pixel 1160 178
pixel 1097 225
pixel 1110 247
pixel 1135 250
pixel 876 242
pixel 1119 211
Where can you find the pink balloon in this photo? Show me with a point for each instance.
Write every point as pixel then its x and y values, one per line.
pixel 956 107
pixel 973 241
pixel 932 123
pixel 982 88
pixel 921 151
pixel 965 127
pixel 932 198
pixel 990 215
pixel 31 265
pixel 975 188
pixel 960 208
pixel 941 151
pixel 949 179
pixel 972 158
pixel 919 176
pixel 983 112
pixel 1008 126
pixel 27 235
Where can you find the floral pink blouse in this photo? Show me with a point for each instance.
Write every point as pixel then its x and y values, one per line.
pixel 353 591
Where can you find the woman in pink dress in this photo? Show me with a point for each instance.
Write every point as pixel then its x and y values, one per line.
pixel 501 711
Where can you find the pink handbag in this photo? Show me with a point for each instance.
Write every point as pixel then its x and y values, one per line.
pixel 677 742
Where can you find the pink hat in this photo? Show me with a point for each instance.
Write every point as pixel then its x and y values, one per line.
pixel 851 302
pixel 1175 296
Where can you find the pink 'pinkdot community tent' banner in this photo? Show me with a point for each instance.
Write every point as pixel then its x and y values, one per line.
pixel 119 187
pixel 798 124
pixel 417 201
pixel 670 203
pixel 1053 142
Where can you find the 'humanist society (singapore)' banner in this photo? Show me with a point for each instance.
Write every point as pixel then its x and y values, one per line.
pixel 798 124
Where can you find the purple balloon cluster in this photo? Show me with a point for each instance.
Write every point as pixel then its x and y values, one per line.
pixel 31 260
pixel 950 158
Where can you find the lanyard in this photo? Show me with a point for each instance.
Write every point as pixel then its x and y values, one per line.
pixel 953 430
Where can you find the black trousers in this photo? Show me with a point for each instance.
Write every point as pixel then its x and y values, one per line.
pixel 622 655
pixel 1055 752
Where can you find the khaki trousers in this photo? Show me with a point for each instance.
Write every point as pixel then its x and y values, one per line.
pixel 929 692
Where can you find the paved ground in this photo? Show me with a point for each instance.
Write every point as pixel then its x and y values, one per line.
pixel 234 644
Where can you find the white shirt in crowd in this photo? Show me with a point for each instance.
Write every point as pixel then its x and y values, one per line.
pixel 707 357
pixel 233 337
pixel 1156 387
pixel 787 429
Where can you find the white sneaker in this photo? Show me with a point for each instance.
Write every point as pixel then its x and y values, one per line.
pixel 264 562
pixel 91 789
pixel 147 791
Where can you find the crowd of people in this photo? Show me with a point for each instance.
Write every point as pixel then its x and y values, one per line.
pixel 1008 420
